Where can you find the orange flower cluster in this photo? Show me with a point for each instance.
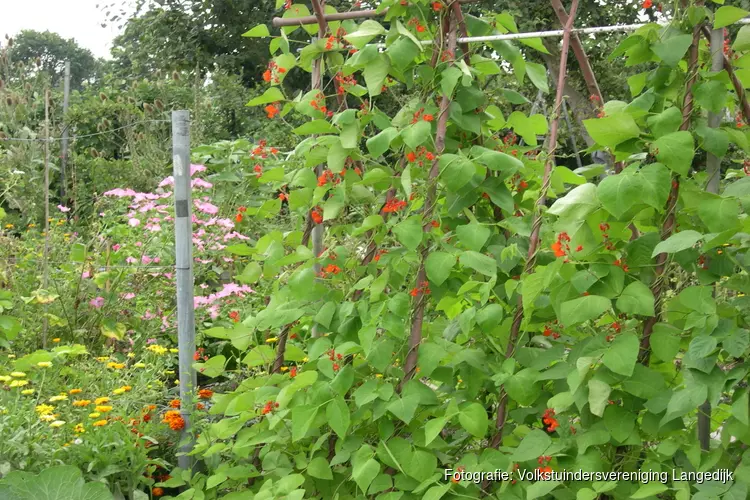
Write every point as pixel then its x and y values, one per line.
pixel 621 263
pixel 415 22
pixel 419 115
pixel 268 408
pixel 343 81
pixel 436 6
pixel 549 420
pixel 329 269
pixel 647 4
pixel 328 176
pixel 174 419
pixel 272 72
pixel 561 247
pixel 175 403
pixel 317 215
pixel 393 205
pixel 235 316
pixel 272 110
pixel 293 372
pixel 379 254
pixel 205 393
pixel 262 150
pixel 418 154
pixel 423 288
pixel 550 332
pixel 323 108
pixel 200 353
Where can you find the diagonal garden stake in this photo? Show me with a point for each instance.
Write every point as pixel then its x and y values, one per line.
pixel 537 221
pixel 415 335
pixel 183 235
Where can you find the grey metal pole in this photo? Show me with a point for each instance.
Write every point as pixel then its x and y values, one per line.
pixel 45 264
pixel 184 271
pixel 64 145
pixel 713 163
pixel 572 133
pixel 713 171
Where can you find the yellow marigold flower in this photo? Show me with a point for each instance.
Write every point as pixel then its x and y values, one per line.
pixel 11 356
pixel 56 340
pixel 103 408
pixel 176 381
pixel 155 348
pixel 94 415
pixel 79 429
pixel 103 358
pixel 115 366
pixel 75 391
pixel 101 400
pixel 140 365
pixel 174 351
pixel 9 226
pixel 126 388
pixel 61 397
pixel 26 392
pixel 81 403
pixel 17 374
pixel 169 372
pixel 19 383
pixel 118 391
pixel 43 409
pixel 100 423
pixel 284 368
pixel 271 340
pixel 44 364
pixel 57 423
pixel 46 418
pixel 131 355
pixel 4 378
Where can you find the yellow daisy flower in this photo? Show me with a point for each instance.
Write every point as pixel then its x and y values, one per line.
pixel 75 391
pixel 17 374
pixel 101 400
pixel 57 423
pixel 100 423
pixel 19 383
pixel 44 364
pixel 103 408
pixel 27 392
pixel 94 415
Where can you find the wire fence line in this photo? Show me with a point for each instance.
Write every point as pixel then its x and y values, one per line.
pixel 71 138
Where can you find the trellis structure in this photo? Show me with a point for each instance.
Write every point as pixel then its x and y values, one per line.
pixel 451 38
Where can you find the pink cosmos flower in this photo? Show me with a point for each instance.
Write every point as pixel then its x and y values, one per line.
pixel 115 247
pixel 146 260
pixel 169 181
pixel 131 260
pixel 196 168
pixel 203 285
pixel 97 302
pixel 134 222
pixel 151 341
pixel 157 260
pixel 207 208
pixel 128 296
pixel 138 244
pixel 200 183
pixel 63 209
pixel 85 275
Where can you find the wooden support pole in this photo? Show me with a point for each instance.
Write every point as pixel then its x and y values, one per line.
pixel 736 83
pixel 537 220
pixel 415 335
pixel 183 233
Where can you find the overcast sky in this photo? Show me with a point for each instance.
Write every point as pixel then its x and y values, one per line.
pixel 78 19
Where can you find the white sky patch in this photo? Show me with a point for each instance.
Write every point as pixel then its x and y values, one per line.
pixel 78 19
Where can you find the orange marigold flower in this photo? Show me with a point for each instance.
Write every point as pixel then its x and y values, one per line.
pixel 267 75
pixel 205 393
pixel 174 419
pixel 157 492
pixel 238 217
pixel 175 403
pixel 272 110
pixel 412 157
pixel 234 316
pixel 428 118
